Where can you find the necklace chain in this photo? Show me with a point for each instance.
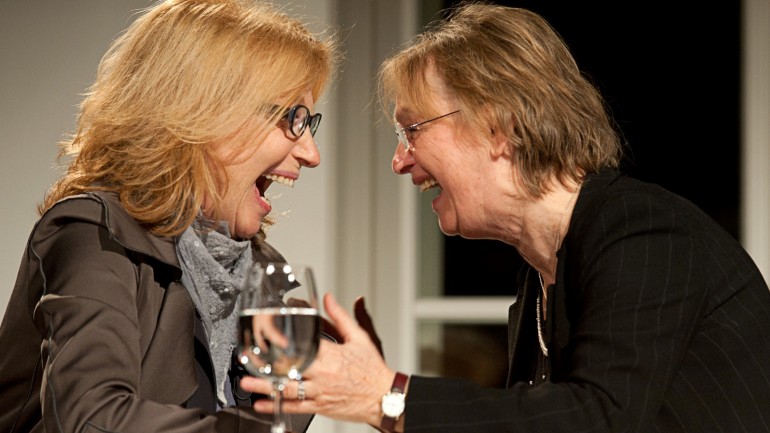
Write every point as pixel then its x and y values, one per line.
pixel 540 339
pixel 557 241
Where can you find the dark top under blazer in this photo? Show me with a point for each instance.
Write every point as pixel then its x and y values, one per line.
pixel 99 334
pixel 659 322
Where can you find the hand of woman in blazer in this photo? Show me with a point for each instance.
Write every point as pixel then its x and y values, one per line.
pixel 346 380
pixel 364 321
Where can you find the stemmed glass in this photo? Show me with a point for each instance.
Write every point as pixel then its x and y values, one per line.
pixel 279 326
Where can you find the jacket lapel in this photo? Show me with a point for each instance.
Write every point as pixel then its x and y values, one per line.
pixel 521 320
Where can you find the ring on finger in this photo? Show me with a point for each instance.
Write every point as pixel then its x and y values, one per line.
pixel 300 390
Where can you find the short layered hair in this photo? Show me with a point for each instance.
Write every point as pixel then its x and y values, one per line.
pixel 508 69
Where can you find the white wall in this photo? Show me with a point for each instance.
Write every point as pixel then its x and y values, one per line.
pixel 48 56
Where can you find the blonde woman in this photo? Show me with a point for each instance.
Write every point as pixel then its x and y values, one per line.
pixel 123 313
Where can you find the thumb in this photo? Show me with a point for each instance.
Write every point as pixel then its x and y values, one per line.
pixel 343 321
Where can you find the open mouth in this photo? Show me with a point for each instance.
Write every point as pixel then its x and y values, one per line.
pixel 280 179
pixel 428 184
pixel 264 182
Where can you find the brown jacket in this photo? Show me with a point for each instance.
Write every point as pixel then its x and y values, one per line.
pixel 100 335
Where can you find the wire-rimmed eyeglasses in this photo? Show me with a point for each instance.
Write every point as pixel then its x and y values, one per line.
pixel 404 133
pixel 298 118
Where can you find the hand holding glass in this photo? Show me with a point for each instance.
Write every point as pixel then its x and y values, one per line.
pixel 279 326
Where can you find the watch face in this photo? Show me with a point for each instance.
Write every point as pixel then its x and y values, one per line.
pixel 393 405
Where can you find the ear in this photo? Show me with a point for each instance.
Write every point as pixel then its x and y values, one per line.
pixel 498 140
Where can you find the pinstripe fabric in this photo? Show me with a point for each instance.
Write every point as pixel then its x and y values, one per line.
pixel 659 322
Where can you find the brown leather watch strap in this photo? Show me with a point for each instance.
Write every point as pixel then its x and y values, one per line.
pixel 388 423
pixel 399 383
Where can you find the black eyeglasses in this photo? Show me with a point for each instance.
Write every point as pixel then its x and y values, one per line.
pixel 405 133
pixel 298 118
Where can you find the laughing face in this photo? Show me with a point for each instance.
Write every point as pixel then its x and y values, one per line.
pixel 252 169
pixel 448 158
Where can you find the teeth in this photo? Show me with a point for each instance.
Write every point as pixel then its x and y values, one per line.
pixel 280 179
pixel 428 184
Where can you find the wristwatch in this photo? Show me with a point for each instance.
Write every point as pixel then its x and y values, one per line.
pixel 393 403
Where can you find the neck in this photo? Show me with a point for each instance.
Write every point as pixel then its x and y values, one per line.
pixel 544 229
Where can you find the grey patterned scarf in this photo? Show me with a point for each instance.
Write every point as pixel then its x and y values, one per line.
pixel 213 269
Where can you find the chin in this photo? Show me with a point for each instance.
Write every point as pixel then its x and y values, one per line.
pixel 449 230
pixel 246 232
pixel 453 228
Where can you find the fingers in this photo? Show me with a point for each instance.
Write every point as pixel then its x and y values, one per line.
pixel 329 329
pixel 257 340
pixel 345 381
pixel 300 390
pixel 297 395
pixel 293 390
pixel 365 321
pixel 267 333
pixel 362 316
pixel 340 318
pixel 289 406
pixel 256 385
pixel 342 327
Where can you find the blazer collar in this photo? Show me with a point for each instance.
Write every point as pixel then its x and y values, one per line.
pixel 122 227
pixel 593 184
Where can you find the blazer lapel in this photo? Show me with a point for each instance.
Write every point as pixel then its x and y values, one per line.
pixel 521 320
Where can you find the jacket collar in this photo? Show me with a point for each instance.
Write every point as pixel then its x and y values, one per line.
pixel 593 184
pixel 122 227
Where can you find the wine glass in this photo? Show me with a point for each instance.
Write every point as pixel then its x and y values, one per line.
pixel 279 326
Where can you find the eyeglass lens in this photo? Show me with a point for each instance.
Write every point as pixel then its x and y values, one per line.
pixel 404 133
pixel 299 118
pixel 402 138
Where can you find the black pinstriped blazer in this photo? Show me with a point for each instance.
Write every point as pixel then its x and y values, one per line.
pixel 659 322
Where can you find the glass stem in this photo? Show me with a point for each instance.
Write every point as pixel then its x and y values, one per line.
pixel 279 425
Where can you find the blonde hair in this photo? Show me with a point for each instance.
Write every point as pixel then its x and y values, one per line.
pixel 501 64
pixel 185 75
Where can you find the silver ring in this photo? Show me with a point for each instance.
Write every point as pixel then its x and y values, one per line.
pixel 300 390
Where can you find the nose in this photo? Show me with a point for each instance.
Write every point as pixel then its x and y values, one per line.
pixel 403 160
pixel 306 151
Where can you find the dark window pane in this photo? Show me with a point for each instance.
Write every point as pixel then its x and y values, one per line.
pixel 479 267
pixel 476 352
